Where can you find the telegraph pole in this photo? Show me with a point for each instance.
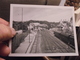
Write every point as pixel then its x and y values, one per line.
pixel 22 19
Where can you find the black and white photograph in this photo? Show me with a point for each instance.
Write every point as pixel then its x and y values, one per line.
pixel 43 30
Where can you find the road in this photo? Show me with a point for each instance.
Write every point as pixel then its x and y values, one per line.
pixel 46 42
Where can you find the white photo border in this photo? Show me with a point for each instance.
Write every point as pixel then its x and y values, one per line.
pixel 43 54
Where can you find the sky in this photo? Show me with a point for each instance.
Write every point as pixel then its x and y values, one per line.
pixel 41 14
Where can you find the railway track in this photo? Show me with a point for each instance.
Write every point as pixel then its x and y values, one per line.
pixel 46 42
pixel 36 47
pixel 55 44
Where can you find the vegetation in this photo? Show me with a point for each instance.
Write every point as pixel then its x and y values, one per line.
pixel 24 25
pixel 17 40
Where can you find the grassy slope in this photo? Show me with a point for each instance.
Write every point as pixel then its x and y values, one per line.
pixel 18 39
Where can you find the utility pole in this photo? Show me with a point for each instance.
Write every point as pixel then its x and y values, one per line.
pixel 29 33
pixel 22 19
